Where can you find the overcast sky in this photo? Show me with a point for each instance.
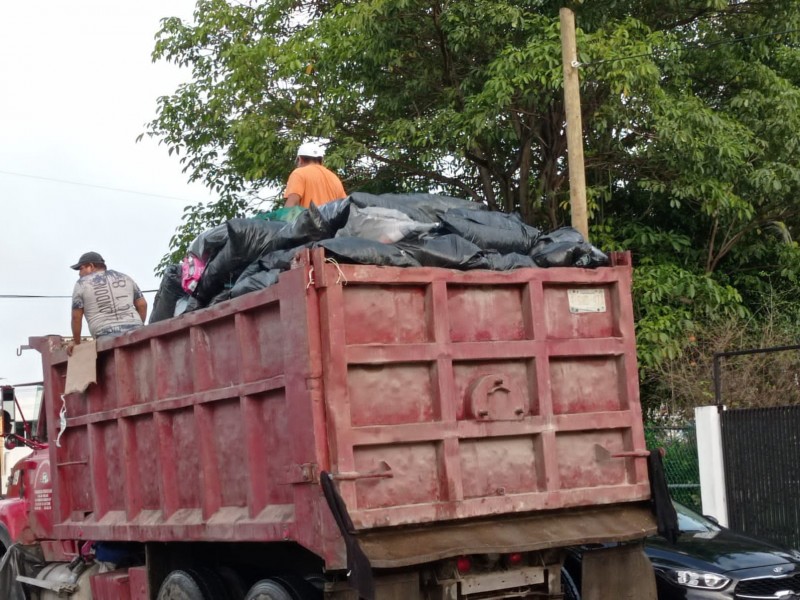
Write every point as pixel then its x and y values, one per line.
pixel 78 86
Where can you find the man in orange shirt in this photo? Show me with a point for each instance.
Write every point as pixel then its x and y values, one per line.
pixel 310 181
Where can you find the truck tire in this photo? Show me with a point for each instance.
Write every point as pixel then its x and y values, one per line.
pixel 192 584
pixel 5 540
pixel 267 589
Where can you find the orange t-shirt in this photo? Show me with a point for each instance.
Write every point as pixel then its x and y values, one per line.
pixel 314 183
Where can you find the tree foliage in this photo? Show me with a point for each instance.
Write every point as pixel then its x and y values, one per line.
pixel 691 114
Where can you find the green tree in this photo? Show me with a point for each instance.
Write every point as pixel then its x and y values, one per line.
pixel 464 98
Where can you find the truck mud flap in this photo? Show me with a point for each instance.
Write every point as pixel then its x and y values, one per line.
pixel 623 573
pixel 358 565
pixel 662 507
pixel 400 547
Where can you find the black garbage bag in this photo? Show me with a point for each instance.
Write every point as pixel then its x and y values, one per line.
pixel 247 240
pixel 250 238
pixel 186 304
pixel 425 208
pixel 279 259
pixel 561 254
pixel 264 271
pixel 507 262
pixel 566 247
pixel 562 234
pixel 334 215
pixel 168 294
pixel 387 225
pixel 221 296
pixel 596 258
pixel 249 271
pixel 207 244
pixel 221 271
pixel 19 560
pixel 492 230
pixel 252 281
pixel 367 252
pixel 448 251
pixel 314 224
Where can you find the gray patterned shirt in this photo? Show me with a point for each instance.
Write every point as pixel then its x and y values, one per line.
pixel 107 298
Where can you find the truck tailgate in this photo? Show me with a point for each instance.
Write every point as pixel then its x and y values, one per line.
pixel 453 395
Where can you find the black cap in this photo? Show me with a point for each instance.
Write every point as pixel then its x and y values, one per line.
pixel 88 257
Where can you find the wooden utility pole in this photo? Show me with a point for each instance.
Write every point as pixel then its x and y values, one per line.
pixel 572 105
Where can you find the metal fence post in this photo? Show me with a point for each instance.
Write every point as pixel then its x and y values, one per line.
pixel 711 462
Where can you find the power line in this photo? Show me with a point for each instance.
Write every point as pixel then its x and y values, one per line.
pixel 691 45
pixel 26 296
pixel 18 296
pixel 92 185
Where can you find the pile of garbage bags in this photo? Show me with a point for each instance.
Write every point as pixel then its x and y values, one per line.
pixel 400 230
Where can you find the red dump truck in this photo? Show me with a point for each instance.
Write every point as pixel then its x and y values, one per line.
pixel 415 433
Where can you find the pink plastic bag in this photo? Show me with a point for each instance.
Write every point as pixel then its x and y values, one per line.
pixel 192 268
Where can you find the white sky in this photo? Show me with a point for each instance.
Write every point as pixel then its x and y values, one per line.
pixel 77 86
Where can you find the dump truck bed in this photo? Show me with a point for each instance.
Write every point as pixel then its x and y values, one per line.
pixel 432 396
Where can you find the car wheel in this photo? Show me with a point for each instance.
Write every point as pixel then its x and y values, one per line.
pixel 568 586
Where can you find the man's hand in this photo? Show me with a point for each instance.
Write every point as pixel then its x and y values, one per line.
pixel 71 345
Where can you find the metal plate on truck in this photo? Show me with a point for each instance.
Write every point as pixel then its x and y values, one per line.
pixel 586 300
pixel 478 584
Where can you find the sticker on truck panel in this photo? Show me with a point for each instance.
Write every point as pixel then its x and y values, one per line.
pixel 43 500
pixel 587 300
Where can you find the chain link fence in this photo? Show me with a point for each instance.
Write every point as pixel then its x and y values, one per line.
pixel 680 461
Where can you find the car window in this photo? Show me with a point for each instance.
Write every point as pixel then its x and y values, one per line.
pixel 689 521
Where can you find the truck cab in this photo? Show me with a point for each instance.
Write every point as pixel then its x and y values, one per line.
pixel 26 499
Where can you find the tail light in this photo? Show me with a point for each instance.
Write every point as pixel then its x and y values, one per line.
pixel 464 564
pixel 514 559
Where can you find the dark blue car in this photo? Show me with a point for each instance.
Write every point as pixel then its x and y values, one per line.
pixel 710 562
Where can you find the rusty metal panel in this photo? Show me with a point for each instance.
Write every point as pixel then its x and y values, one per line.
pixel 484 393
pixel 198 428
pixel 393 548
pixel 114 584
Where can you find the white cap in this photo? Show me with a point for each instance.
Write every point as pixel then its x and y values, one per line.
pixel 312 149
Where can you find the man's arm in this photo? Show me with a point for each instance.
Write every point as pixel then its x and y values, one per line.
pixel 77 323
pixel 141 307
pixel 295 188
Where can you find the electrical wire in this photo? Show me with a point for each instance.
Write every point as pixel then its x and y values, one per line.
pixel 92 185
pixel 26 296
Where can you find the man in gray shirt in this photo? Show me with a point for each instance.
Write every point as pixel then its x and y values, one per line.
pixel 111 301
